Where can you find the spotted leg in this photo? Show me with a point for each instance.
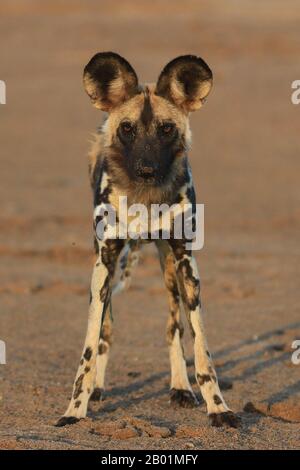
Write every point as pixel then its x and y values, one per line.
pixel 181 392
pixel 102 357
pixel 100 291
pixel 189 283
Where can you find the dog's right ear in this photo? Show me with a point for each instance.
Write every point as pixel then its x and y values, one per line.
pixel 109 80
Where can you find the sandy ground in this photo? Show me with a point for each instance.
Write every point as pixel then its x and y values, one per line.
pixel 246 166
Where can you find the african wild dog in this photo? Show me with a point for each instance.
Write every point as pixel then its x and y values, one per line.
pixel 141 152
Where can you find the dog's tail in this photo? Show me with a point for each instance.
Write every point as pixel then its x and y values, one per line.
pixel 128 261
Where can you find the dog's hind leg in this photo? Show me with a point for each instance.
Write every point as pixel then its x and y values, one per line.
pixel 128 261
pixel 181 391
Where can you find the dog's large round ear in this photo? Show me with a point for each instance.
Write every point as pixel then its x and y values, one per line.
pixel 109 80
pixel 186 82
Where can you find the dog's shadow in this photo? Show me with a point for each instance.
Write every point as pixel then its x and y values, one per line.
pixel 115 396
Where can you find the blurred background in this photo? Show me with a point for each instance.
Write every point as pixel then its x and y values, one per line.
pixel 245 162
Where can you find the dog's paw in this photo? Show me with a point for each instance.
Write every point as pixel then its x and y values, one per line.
pixel 227 418
pixel 66 420
pixel 97 394
pixel 183 398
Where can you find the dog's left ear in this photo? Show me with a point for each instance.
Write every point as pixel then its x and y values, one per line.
pixel 186 82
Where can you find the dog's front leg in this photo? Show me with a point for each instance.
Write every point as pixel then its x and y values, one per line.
pixel 189 282
pixel 100 292
pixel 102 357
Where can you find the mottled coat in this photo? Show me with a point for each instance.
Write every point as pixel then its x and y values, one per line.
pixel 141 152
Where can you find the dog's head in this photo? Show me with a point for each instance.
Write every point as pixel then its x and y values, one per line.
pixel 147 129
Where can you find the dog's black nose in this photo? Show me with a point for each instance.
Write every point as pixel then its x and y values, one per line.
pixel 147 170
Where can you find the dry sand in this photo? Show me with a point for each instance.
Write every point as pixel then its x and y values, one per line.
pixel 246 166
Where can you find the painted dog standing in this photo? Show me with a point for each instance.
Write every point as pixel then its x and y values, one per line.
pixel 141 153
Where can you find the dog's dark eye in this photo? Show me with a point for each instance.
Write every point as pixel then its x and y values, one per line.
pixel 126 132
pixel 127 127
pixel 167 128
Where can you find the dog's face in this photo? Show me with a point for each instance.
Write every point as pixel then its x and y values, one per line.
pixel 147 130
